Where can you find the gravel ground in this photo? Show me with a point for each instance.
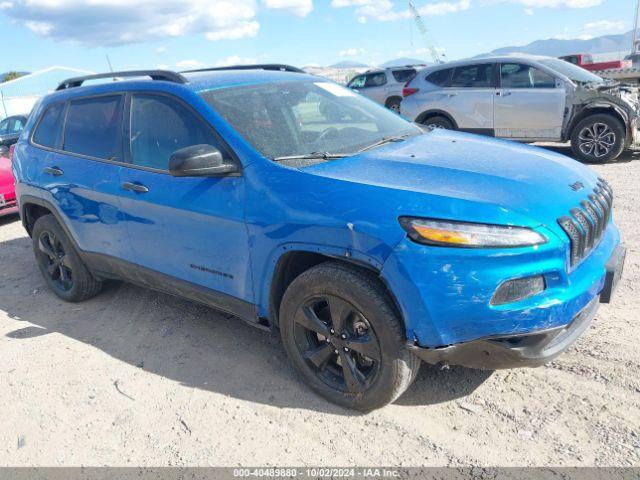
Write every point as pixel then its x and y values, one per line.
pixel 134 377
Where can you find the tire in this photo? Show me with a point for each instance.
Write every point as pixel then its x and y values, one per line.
pixel 60 265
pixel 393 104
pixel 438 122
pixel 369 325
pixel 610 136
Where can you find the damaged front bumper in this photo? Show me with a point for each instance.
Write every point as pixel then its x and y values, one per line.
pixel 524 350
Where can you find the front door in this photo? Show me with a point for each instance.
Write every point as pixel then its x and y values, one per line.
pixel 529 104
pixel 185 229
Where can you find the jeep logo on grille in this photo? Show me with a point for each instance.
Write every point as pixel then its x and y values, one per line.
pixel 577 186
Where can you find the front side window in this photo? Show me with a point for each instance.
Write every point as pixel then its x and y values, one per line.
pixel 357 82
pixel 49 127
pixel 94 127
pixel 376 80
pixel 16 125
pixel 305 117
pixel 473 76
pixel 160 125
pixel 518 75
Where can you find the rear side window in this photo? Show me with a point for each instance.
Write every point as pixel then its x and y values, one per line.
pixel 161 125
pixel 94 127
pixel 440 78
pixel 48 130
pixel 473 76
pixel 403 76
pixel 376 79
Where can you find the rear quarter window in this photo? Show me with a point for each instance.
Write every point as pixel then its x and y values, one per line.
pixel 48 129
pixel 403 76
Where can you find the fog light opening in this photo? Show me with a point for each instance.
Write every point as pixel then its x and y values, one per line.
pixel 518 289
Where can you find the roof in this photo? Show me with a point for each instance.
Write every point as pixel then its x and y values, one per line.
pixel 195 81
pixel 39 83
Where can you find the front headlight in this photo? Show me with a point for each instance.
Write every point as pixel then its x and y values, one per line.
pixel 468 235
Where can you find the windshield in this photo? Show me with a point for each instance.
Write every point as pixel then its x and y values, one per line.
pixel 306 117
pixel 575 73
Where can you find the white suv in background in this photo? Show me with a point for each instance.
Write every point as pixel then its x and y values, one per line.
pixel 528 99
pixel 384 85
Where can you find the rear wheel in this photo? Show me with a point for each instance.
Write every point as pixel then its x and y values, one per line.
pixel 598 139
pixel 60 264
pixel 344 337
pixel 438 122
pixel 393 104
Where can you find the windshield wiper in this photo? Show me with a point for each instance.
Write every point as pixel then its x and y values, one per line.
pixel 384 141
pixel 312 156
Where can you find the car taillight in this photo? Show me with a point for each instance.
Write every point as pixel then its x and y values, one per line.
pixel 11 149
pixel 406 91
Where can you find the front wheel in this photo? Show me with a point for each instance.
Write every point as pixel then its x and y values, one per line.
pixel 343 336
pixel 598 139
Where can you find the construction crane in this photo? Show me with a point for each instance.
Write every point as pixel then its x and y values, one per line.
pixel 431 46
pixel 635 45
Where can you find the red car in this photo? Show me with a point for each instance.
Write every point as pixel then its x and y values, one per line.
pixel 8 203
pixel 10 129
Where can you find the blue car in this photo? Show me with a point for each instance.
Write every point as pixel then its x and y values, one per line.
pixel 294 203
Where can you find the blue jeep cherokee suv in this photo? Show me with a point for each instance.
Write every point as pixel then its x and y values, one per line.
pixel 290 201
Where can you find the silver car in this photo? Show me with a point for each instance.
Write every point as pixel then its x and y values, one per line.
pixel 528 99
pixel 384 85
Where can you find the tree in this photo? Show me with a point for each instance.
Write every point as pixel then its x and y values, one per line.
pixel 11 76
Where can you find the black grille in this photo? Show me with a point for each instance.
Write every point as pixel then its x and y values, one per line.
pixel 587 222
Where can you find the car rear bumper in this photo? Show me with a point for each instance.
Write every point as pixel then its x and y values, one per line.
pixel 525 350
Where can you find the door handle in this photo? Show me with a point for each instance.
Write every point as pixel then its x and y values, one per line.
pixel 135 187
pixel 452 95
pixel 503 94
pixel 53 171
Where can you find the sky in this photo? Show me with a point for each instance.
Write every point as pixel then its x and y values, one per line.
pixel 183 34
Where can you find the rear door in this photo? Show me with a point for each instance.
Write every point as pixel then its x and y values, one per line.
pixel 529 104
pixel 189 229
pixel 80 173
pixel 468 97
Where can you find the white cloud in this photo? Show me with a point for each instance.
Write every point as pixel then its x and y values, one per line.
pixel 604 26
pixel 351 52
pixel 186 64
pixel 301 8
pixel 117 22
pixel 235 60
pixel 558 3
pixel 161 50
pixel 528 11
pixel 383 10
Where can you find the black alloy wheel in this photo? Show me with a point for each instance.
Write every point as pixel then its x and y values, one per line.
pixel 338 343
pixel 57 265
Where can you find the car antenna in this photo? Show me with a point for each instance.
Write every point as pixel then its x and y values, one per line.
pixel 110 67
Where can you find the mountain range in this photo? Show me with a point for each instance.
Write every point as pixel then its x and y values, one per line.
pixel 557 47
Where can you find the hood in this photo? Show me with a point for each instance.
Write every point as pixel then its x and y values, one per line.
pixel 452 175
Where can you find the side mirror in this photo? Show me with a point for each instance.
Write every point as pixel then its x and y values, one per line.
pixel 200 161
pixel 9 139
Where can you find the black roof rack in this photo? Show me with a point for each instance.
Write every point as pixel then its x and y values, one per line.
pixel 164 75
pixel 278 67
